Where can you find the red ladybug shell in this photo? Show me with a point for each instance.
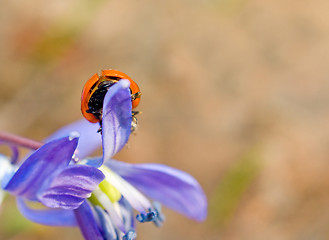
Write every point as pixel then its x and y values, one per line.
pixel 92 85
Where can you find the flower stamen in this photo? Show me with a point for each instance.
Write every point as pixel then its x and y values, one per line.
pixel 107 204
pixel 130 235
pixel 136 199
pixel 106 223
pixel 154 215
pixel 147 217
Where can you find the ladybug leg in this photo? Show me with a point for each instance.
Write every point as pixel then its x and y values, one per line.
pixel 135 95
pixel 133 124
pixel 134 120
pixel 133 113
pixel 90 111
pixel 100 127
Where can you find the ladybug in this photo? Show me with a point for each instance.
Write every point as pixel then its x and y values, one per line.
pixel 94 91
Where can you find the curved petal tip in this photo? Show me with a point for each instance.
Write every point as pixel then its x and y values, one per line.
pixel 124 83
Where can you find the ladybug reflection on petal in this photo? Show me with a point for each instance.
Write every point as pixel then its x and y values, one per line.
pixel 94 92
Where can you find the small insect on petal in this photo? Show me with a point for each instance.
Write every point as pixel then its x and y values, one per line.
pixel 95 89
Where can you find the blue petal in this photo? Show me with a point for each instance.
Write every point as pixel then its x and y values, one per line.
pixel 116 123
pixel 71 186
pixel 87 222
pixel 108 228
pixel 174 188
pixel 51 217
pixel 127 214
pixel 39 168
pixel 89 140
pixel 93 162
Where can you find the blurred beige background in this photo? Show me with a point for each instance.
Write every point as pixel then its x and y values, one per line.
pixel 234 92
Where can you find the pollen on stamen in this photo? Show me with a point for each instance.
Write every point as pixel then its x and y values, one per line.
pixel 130 235
pixel 154 215
pixel 146 217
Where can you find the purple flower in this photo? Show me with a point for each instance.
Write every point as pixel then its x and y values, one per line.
pixel 49 176
pixel 46 176
pixel 108 212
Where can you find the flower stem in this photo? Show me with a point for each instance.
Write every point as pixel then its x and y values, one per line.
pixel 19 141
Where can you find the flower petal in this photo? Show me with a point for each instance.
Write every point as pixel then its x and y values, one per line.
pixel 93 162
pixel 71 186
pixel 109 207
pixel 135 198
pixel 38 168
pixel 87 222
pixel 127 214
pixel 172 187
pixel 106 223
pixel 7 170
pixel 89 139
pixel 116 123
pixel 51 217
pixel 14 151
